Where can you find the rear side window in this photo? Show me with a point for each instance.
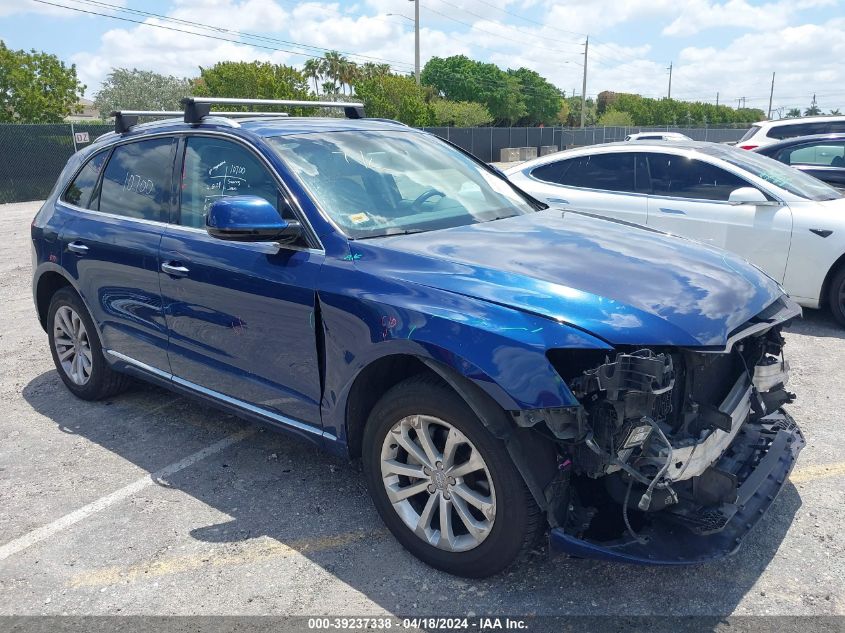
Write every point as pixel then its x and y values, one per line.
pixel 751 132
pixel 80 191
pixel 822 154
pixel 553 172
pixel 608 172
pixel 216 168
pixel 683 177
pixel 137 180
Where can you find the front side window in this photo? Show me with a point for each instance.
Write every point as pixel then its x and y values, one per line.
pixel 608 172
pixel 683 177
pixel 216 168
pixel 821 154
pixel 137 180
pixel 80 191
pixel 373 184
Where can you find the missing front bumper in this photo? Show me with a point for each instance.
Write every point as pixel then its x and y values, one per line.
pixel 672 543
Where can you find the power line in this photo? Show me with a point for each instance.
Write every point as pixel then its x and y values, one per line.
pixel 106 5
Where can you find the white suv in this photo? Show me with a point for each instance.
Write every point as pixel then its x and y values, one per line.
pixel 768 132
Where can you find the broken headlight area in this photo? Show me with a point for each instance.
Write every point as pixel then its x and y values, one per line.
pixel 669 439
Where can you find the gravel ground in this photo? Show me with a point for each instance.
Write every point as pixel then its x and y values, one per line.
pixel 264 524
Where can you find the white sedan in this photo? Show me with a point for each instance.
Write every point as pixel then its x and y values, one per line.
pixel 787 223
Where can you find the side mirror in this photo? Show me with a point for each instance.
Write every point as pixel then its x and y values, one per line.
pixel 249 219
pixel 750 195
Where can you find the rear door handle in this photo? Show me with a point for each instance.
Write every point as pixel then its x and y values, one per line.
pixel 174 269
pixel 77 247
pixel 672 211
pixel 558 200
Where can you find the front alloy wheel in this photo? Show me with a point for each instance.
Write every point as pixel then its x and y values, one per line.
pixel 438 483
pixel 446 488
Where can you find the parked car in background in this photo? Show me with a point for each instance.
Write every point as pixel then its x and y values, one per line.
pixel 657 136
pixel 821 156
pixel 788 223
pixel 768 132
pixel 500 368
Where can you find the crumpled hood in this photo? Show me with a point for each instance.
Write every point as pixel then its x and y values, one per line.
pixel 624 283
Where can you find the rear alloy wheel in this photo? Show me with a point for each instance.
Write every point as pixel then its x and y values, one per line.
pixel 445 487
pixel 76 349
pixel 836 299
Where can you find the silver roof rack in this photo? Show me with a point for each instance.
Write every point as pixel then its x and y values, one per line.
pixel 196 108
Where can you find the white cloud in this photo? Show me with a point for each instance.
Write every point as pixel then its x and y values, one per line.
pixel 699 15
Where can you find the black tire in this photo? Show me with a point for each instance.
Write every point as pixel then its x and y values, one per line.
pixel 836 296
pixel 103 381
pixel 518 520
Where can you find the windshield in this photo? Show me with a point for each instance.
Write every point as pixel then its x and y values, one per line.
pixel 386 183
pixel 778 174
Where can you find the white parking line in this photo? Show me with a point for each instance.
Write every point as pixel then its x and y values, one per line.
pixel 39 534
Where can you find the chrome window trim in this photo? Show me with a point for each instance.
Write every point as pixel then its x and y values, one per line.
pixel 276 246
pixel 114 216
pixel 277 417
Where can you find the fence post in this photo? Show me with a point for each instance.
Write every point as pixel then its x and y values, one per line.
pixel 73 136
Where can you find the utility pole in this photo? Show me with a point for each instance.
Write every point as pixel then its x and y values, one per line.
pixel 583 83
pixel 416 40
pixel 771 94
pixel 717 99
pixel 670 80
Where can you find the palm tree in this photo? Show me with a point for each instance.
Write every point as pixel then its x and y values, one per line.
pixel 348 74
pixel 312 69
pixel 331 69
pixel 835 112
pixel 793 113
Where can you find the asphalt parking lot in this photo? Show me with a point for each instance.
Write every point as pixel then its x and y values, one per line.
pixel 237 520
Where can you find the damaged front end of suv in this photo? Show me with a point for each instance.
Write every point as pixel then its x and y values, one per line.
pixel 673 453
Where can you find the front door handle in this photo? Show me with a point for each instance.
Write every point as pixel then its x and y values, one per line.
pixel 77 247
pixel 174 269
pixel 672 211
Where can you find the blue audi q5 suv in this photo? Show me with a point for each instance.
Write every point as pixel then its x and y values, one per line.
pixel 503 369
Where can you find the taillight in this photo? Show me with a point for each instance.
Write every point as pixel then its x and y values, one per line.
pixel 748 146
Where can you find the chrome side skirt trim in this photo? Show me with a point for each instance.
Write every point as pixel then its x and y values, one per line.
pixel 240 404
pixel 139 364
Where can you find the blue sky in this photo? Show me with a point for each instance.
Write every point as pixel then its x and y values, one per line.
pixel 730 47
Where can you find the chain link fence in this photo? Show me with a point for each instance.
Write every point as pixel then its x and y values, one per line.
pixel 488 142
pixel 34 155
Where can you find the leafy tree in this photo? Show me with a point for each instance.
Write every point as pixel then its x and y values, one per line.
pixel 253 80
pixel 459 78
pixel 649 112
pixel 814 109
pixel 562 116
pixel 613 118
pixel 574 106
pixel 542 99
pixel 394 97
pixel 460 113
pixel 140 90
pixel 36 87
pixel 793 113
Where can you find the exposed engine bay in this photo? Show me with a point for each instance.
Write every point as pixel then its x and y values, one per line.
pixel 670 435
